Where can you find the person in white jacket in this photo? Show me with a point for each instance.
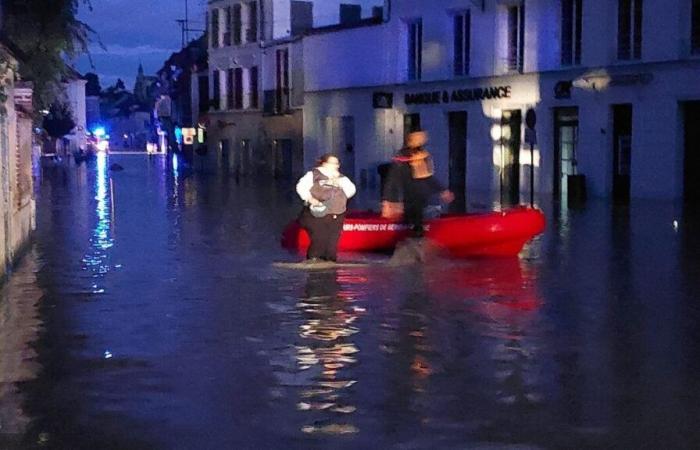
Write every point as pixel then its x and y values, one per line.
pixel 325 192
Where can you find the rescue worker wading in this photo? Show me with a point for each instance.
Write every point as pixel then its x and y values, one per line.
pixel 410 184
pixel 325 192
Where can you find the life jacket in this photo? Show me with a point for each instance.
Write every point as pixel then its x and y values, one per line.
pixel 421 164
pixel 328 191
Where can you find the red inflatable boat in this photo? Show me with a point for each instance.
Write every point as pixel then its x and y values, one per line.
pixel 462 235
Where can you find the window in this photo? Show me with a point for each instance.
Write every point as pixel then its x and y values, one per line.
pixel 282 86
pixel 252 32
pixel 415 49
pixel 238 88
pixel 227 26
pixel 695 28
pixel 571 14
pixel 203 93
pixel 629 30
pixel 516 37
pixel 462 44
pixel 216 90
pixel 215 28
pixel 236 25
pixel 411 123
pixel 253 83
pixel 229 89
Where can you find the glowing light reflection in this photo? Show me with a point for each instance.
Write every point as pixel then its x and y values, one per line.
pixel 97 259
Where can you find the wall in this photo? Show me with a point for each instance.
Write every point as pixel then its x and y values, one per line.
pixel 17 206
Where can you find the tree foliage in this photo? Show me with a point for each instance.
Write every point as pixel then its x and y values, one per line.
pixel 92 88
pixel 59 121
pixel 48 34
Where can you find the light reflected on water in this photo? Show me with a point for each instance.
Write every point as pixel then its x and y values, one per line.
pixel 101 239
pixel 327 351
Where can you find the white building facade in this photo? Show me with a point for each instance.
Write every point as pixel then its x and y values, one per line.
pixel 615 85
pixel 256 85
pixel 74 96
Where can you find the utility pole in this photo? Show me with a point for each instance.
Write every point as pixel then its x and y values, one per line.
pixel 185 26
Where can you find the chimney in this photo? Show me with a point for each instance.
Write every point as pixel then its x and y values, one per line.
pixel 350 14
pixel 302 17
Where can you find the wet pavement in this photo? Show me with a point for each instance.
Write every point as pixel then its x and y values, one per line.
pixel 148 315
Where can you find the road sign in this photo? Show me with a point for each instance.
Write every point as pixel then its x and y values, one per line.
pixel 530 136
pixel 530 118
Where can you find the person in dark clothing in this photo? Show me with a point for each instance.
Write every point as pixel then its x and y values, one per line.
pixel 411 184
pixel 325 192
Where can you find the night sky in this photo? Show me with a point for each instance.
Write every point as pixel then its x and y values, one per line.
pixel 146 31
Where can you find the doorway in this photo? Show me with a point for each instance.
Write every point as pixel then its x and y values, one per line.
pixel 565 148
pixel 511 121
pixel 341 138
pixel 225 155
pixel 245 157
pixel 622 152
pixel 283 158
pixel 458 159
pixel 691 152
pixel 411 123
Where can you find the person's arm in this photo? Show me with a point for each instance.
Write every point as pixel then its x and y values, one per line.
pixel 304 186
pixel 348 187
pixel 446 196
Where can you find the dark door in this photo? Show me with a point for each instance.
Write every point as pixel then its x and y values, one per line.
pixel 245 157
pixel 225 147
pixel 284 159
pixel 565 148
pixel 622 152
pixel 346 146
pixel 691 163
pixel 458 159
pixel 510 150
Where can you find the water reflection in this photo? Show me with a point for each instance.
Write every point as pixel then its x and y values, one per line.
pixel 20 327
pixel 327 351
pixel 590 341
pixel 101 240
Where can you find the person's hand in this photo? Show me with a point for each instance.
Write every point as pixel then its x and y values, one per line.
pixel 447 196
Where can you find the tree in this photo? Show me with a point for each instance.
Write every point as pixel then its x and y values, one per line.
pixel 48 33
pixel 92 88
pixel 59 121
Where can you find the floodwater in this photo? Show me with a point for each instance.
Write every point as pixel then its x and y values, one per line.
pixel 148 315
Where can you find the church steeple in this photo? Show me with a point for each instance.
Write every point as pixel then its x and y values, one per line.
pixel 140 86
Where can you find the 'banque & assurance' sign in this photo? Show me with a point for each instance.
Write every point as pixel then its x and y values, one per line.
pixel 458 95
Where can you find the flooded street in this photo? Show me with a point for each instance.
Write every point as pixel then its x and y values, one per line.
pixel 148 315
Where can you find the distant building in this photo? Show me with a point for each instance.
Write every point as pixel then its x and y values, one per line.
pixel 128 115
pixel 256 81
pixel 256 85
pixel 178 105
pixel 93 116
pixel 74 96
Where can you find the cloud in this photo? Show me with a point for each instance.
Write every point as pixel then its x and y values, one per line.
pixel 129 51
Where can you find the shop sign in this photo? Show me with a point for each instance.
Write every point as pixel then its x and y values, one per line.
pixel 458 95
